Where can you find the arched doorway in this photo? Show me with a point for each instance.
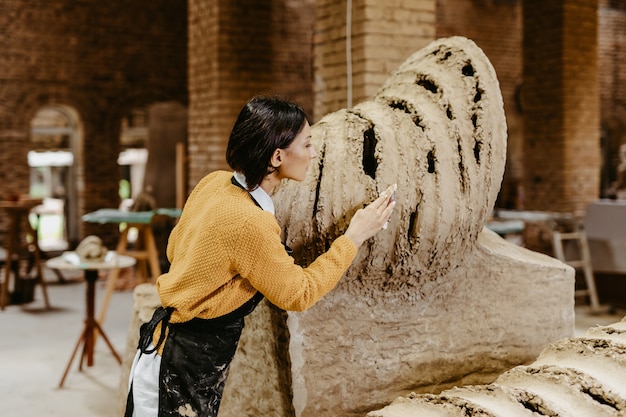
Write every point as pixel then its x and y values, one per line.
pixel 56 138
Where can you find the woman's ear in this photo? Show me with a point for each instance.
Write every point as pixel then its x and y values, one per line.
pixel 277 158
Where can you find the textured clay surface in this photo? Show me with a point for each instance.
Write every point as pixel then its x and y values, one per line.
pixel 574 377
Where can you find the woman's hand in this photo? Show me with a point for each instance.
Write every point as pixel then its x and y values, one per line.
pixel 370 220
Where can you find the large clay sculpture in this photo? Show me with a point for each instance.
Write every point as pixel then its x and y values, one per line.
pixel 435 300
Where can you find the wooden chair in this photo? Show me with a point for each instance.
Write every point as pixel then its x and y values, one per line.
pixel 21 246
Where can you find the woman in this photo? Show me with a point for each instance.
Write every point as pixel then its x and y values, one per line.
pixel 226 255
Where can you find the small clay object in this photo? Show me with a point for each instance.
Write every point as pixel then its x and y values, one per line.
pixel 91 249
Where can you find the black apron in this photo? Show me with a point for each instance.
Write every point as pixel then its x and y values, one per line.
pixel 196 358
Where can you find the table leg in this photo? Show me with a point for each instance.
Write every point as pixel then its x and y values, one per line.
pixel 153 254
pixel 87 337
pixel 91 276
pixel 106 339
pixel 69 364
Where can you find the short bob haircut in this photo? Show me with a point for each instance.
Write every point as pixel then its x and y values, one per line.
pixel 264 124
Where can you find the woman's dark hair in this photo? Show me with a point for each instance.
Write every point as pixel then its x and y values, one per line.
pixel 264 124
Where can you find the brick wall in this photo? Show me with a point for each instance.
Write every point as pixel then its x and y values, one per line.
pixel 383 35
pixel 100 59
pixel 561 125
pixel 238 50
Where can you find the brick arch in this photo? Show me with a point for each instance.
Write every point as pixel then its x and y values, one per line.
pixel 94 157
pixel 76 109
pixel 32 99
pixel 73 201
pixel 16 136
pixel 140 98
pixel 137 99
pixel 101 181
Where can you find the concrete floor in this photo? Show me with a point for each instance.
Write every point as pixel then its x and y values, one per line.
pixel 36 344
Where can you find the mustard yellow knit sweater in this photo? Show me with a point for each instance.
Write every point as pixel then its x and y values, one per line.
pixel 224 248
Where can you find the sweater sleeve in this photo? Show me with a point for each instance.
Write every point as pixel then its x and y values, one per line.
pixel 262 260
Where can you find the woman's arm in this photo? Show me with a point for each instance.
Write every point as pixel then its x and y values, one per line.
pixel 262 260
pixel 370 220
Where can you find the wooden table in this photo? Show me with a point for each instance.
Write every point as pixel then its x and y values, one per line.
pixel 70 260
pixel 18 212
pixel 143 222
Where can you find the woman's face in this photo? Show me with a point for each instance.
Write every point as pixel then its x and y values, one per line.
pixel 296 158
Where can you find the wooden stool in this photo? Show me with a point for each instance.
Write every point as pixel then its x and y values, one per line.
pixel 145 250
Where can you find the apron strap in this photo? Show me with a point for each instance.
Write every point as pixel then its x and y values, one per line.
pixel 161 314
